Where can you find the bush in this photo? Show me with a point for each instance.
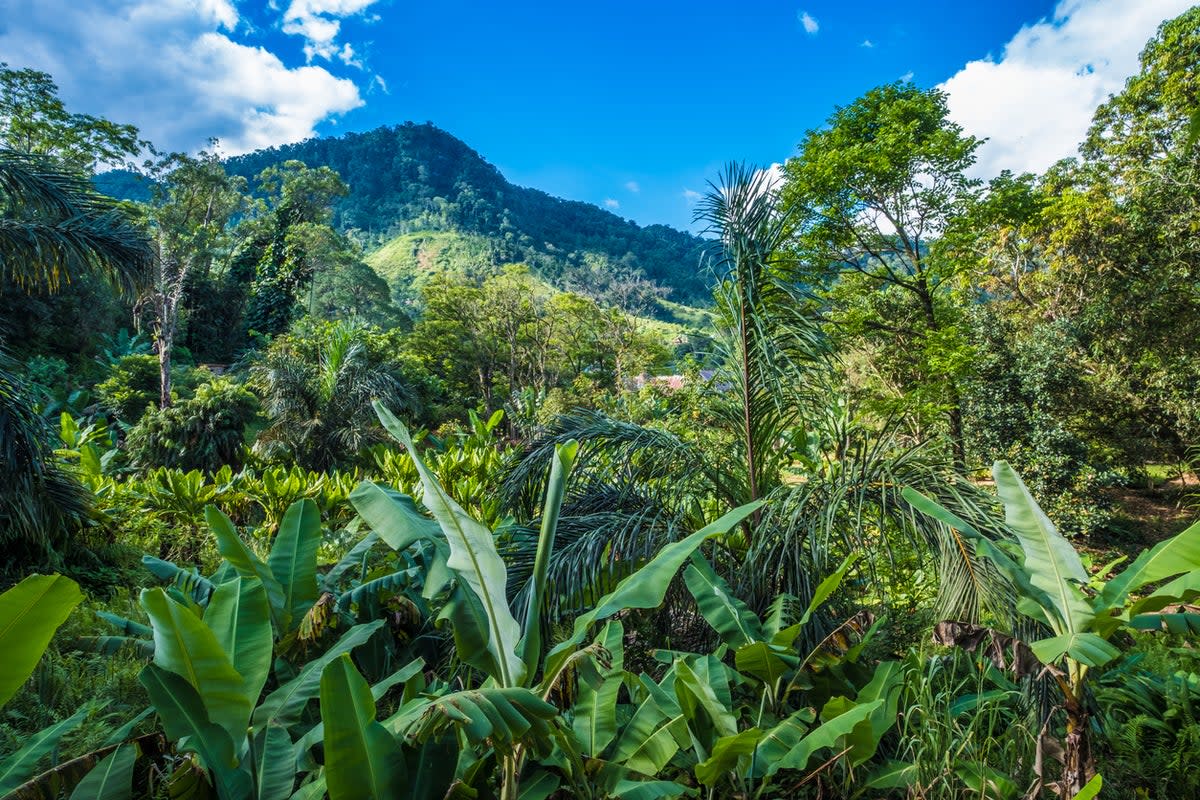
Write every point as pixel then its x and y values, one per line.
pixel 134 385
pixel 204 433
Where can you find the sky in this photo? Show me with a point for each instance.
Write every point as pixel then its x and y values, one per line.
pixel 633 106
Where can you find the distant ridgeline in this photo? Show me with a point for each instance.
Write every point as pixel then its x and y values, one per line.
pixel 412 178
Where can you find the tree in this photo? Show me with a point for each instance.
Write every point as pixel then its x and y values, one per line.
pixel 870 193
pixel 34 121
pixel 194 201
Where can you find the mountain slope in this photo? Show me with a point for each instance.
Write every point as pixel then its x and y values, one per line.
pixel 410 179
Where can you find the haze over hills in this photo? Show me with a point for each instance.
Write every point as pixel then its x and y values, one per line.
pixel 455 209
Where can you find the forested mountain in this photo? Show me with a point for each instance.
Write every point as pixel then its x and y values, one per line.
pixel 412 178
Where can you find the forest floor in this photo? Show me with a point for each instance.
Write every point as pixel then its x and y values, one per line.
pixel 1145 515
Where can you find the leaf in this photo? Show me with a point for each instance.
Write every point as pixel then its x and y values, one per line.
pixel 767 662
pixel 1092 789
pixel 827 587
pixel 284 705
pixel 1051 561
pixel 111 779
pixel 474 559
pixel 247 564
pixel 696 694
pixel 18 767
pixel 560 471
pixel 274 770
pixel 727 756
pixel 499 716
pixel 646 587
pixel 184 645
pixel 627 789
pixel 396 519
pixel 1086 648
pixel 892 775
pixel 729 616
pixel 595 709
pixel 187 724
pixel 353 558
pixel 293 559
pixel 362 760
pixel 30 613
pixel 651 738
pixel 240 618
pixel 1179 554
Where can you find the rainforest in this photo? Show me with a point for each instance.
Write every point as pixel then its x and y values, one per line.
pixel 348 468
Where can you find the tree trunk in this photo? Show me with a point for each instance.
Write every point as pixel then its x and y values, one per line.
pixel 164 373
pixel 1078 767
pixel 954 413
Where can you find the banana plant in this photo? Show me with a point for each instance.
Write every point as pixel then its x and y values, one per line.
pixel 30 613
pixel 509 716
pixel 1081 612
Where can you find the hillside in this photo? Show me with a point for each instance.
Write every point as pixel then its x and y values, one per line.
pixel 417 179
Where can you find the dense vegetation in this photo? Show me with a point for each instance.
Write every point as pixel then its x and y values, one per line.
pixel 346 469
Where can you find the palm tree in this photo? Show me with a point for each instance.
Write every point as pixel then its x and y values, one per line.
pixel 319 401
pixel 832 481
pixel 53 228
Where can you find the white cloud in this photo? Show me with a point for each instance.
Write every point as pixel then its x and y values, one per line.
pixel 906 77
pixel 867 43
pixel 611 203
pixel 1035 102
pixel 633 186
pixel 690 195
pixel 811 26
pixel 319 22
pixel 172 68
pixel 773 173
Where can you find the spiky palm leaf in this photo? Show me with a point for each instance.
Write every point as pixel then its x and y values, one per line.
pixel 54 227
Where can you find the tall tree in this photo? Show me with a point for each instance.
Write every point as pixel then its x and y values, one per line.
pixel 194 201
pixel 870 194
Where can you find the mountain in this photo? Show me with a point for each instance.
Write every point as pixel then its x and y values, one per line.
pixel 451 206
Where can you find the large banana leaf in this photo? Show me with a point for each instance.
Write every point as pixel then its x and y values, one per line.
pixel 199 587
pixel 111 779
pixel 362 760
pixel 30 613
pixel 293 558
pixel 1086 648
pixel 247 564
pixel 474 559
pixel 184 645
pixel 595 708
pixel 791 743
pixel 17 768
pixel 647 587
pixel 1179 554
pixel 652 737
pixel 284 705
pixel 187 723
pixel 698 693
pixel 240 617
pixel 729 616
pixel 500 717
pixel 354 557
pixel 394 517
pixel 1050 560
pixel 730 754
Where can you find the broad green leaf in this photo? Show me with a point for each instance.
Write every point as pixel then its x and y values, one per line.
pixel 362 760
pixel 560 471
pixel 595 709
pixel 284 705
pixel 892 775
pixel 1086 648
pixel 183 644
pixel 647 587
pixel 111 779
pixel 353 558
pixel 984 781
pixel 802 744
pixel 729 616
pixel 187 724
pixel 18 767
pixel 396 519
pixel 827 587
pixel 728 755
pixel 1051 561
pixel 274 769
pixel 540 786
pixel 293 558
pixel 196 585
pixel 501 717
pixel 473 557
pixel 247 564
pixel 1180 553
pixel 1093 787
pixel 1183 589
pixel 652 736
pixel 240 617
pixel 767 662
pixel 779 740
pixel 30 613
pixel 709 717
pixel 628 789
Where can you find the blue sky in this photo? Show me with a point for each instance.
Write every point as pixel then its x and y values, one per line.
pixel 629 105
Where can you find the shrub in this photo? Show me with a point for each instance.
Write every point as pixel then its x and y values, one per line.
pixel 202 433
